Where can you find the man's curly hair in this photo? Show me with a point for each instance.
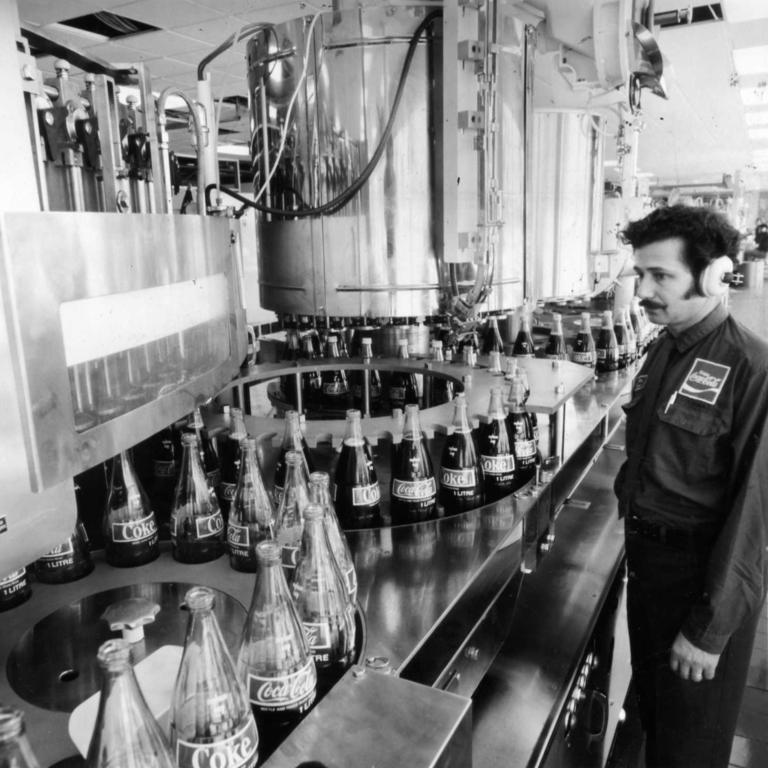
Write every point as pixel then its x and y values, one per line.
pixel 705 233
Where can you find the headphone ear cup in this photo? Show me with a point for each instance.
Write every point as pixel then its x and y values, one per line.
pixel 711 279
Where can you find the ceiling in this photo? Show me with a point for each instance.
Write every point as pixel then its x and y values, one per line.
pixel 698 135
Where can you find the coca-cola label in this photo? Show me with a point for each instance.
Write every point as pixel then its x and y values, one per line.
pixel 295 691
pixel 705 381
pixel 583 357
pixel 163 468
pixel 289 556
pixel 414 490
pixel 525 449
pixel 397 394
pixel 134 531
pixel 11 578
pixel 318 636
pixel 238 750
pixel 334 388
pixel 238 535
pixel 227 491
pixel 498 465
pixel 61 550
pixel 366 495
pixel 458 478
pixel 210 525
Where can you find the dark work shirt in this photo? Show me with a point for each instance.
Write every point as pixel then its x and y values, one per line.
pixel 698 461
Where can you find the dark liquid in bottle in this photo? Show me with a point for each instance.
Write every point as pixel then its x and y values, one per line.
pixel 357 487
pixel 461 482
pixel 414 490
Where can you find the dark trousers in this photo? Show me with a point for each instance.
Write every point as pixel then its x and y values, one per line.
pixel 687 724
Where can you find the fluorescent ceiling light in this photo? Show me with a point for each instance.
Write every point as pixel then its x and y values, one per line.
pixel 758 117
pixel 751 61
pixel 744 10
pixel 758 134
pixel 755 97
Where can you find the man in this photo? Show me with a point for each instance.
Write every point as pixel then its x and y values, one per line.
pixel 693 492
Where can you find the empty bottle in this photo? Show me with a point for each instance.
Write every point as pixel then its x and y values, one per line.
pixel 290 512
pixel 229 459
pixel 374 380
pixel 15 751
pixel 322 603
pixel 607 347
pixel 69 561
pixel 291 355
pixel 197 527
pixel 496 454
pixel 320 493
pixel 461 481
pixel 211 722
pixel 413 490
pixel 14 589
pixel 335 387
pixel 523 346
pixel 273 660
pixel 126 734
pixel 293 440
pixel 584 351
pixel 555 349
pixel 252 515
pixel 403 387
pixel 521 432
pixel 357 492
pixel 129 524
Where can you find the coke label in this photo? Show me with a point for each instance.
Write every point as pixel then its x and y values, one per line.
pixel 458 478
pixel 238 750
pixel 334 388
pixel 227 491
pixel 13 583
pixel 525 449
pixel 289 556
pixel 209 525
pixel 366 495
pixel 498 465
pixel 60 550
pixel 163 468
pixel 238 535
pixel 584 357
pixel 318 636
pixel 137 530
pixel 294 691
pixel 397 393
pixel 414 490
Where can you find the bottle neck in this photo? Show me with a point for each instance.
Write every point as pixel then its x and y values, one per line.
pixel 496 407
pixel 460 419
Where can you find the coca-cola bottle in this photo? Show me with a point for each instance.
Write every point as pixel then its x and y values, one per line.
pixel 211 722
pixel 631 337
pixel 403 387
pixel 310 380
pixel 620 330
pixel 607 347
pixel 291 355
pixel 638 324
pixel 129 524
pixel 197 527
pixel 164 474
pixel 357 492
pixel 521 432
pixel 555 349
pixel 492 341
pixel 413 490
pixel 14 589
pixel 496 455
pixel 584 352
pixel 290 512
pixel 440 387
pixel 68 561
pixel 15 751
pixel 523 346
pixel 461 480
pixel 322 603
pixel 335 388
pixel 320 493
pixel 273 660
pixel 374 380
pixel 293 440
pixel 252 515
pixel 208 456
pixel 125 732
pixel 229 459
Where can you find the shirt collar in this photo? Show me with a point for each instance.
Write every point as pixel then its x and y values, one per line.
pixel 704 327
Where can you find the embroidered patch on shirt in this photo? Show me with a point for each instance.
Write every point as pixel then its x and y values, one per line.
pixel 638 385
pixel 705 381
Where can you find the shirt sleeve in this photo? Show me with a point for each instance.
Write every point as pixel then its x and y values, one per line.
pixel 736 573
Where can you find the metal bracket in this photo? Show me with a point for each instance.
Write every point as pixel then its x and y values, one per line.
pixel 471 120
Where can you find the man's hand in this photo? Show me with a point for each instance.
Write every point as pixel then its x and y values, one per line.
pixel 690 662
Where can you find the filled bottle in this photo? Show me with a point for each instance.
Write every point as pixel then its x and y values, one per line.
pixel 208 456
pixel 631 337
pixel 68 561
pixel 311 385
pixel 521 432
pixel 638 324
pixel 461 480
pixel 129 525
pixel 322 603
pixel 15 751
pixel 496 453
pixel 607 348
pixel 252 515
pixel 164 473
pixel 357 492
pixel 197 527
pixel 584 351
pixel 211 722
pixel 293 440
pixel 273 660
pixel 403 387
pixel 523 346
pixel 290 512
pixel 620 331
pixel 555 349
pixel 125 733
pixel 374 380
pixel 413 490
pixel 335 387
pixel 229 459
pixel 291 355
pixel 492 341
pixel 441 388
pixel 15 589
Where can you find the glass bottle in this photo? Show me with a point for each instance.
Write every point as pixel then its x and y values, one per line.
pixel 492 341
pixel 413 487
pixel 68 561
pixel 461 481
pixel 164 469
pixel 523 346
pixel 358 379
pixel 521 432
pixel 14 589
pixel 211 722
pixel 229 460
pixel 584 352
pixel 403 387
pixel 496 454
pixel 197 527
pixel 293 440
pixel 441 388
pixel 129 524
pixel 252 515
pixel 291 355
pixel 310 379
pixel 15 751
pixel 357 492
pixel 290 512
pixel 631 337
pixel 320 493
pixel 636 320
pixel 335 387
pixel 273 660
pixel 620 330
pixel 555 349
pixel 607 348
pixel 322 603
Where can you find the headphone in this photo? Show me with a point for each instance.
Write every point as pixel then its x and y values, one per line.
pixel 712 280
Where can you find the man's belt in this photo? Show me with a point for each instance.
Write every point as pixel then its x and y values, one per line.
pixel 674 537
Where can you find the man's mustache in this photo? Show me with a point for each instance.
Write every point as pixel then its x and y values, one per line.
pixel 650 304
